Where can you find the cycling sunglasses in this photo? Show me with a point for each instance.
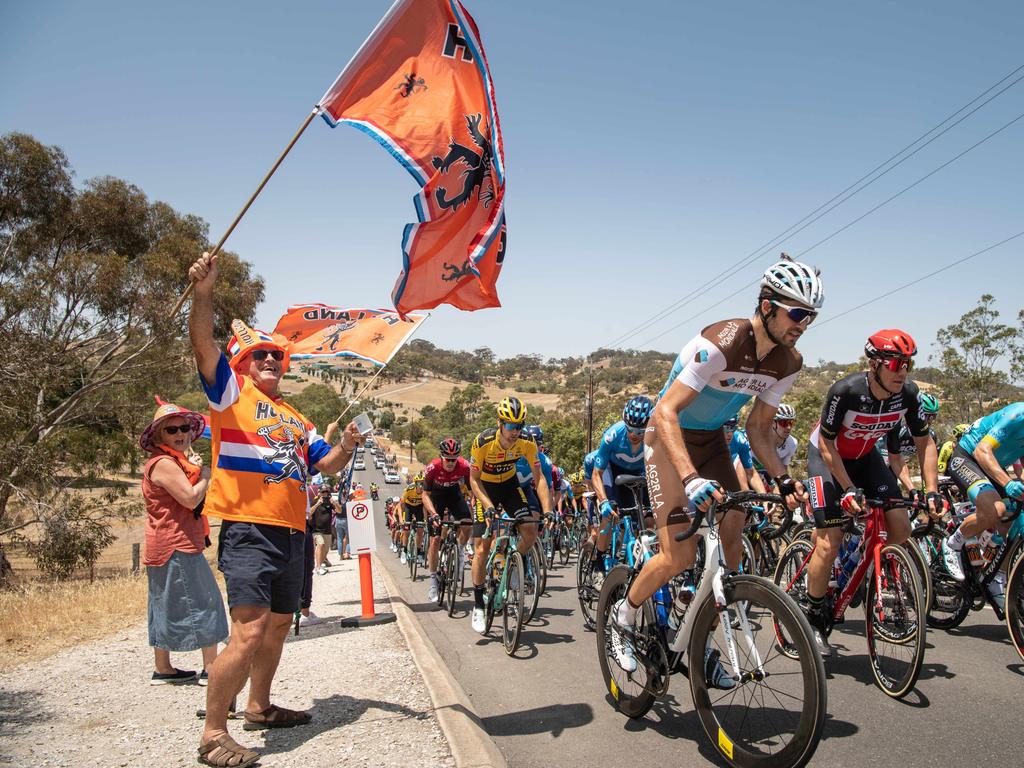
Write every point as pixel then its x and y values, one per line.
pixel 449 458
pixel 183 428
pixel 784 423
pixel 797 314
pixel 512 427
pixel 636 430
pixel 261 354
pixel 896 364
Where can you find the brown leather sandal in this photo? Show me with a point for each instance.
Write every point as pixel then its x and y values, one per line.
pixel 224 752
pixel 275 717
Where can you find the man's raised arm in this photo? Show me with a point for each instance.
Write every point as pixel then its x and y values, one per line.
pixel 200 321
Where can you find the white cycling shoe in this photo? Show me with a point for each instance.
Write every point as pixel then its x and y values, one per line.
pixel 432 590
pixel 622 644
pixel 479 620
pixel 951 559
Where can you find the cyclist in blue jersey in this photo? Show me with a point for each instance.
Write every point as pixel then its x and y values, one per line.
pixel 620 452
pixel 687 458
pixel 978 467
pixel 742 458
pixel 588 480
pixel 525 474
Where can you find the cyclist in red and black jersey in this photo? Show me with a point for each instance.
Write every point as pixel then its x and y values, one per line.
pixel 444 481
pixel 843 466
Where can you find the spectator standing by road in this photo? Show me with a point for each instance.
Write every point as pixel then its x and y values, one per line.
pixel 322 520
pixel 341 531
pixel 264 453
pixel 185 611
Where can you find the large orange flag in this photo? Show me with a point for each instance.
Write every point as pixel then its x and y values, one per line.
pixel 316 330
pixel 420 85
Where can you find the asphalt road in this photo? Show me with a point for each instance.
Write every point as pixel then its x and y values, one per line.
pixel 548 705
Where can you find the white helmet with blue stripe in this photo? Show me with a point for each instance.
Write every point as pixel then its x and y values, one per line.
pixel 794 280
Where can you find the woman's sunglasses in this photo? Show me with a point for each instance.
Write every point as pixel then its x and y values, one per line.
pixel 261 354
pixel 183 428
pixel 797 314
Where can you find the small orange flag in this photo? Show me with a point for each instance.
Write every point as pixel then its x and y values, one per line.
pixel 317 330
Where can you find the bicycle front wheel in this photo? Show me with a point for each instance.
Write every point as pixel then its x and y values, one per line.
pixel 532 587
pixel 775 712
pixel 894 618
pixel 1015 604
pixel 923 574
pixel 512 618
pixel 564 544
pixel 633 692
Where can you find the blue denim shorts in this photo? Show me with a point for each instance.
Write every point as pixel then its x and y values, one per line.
pixel 262 565
pixel 185 609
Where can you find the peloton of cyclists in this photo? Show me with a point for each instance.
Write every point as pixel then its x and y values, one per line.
pixel 859 410
pixel 688 461
pixel 898 447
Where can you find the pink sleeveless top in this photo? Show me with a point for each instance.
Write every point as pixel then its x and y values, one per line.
pixel 170 526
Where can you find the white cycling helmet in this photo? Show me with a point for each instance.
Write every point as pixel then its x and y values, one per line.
pixel 794 280
pixel 785 412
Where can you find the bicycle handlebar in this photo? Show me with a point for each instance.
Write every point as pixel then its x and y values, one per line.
pixel 732 501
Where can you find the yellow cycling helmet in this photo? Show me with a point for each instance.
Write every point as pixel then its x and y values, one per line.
pixel 512 410
pixel 959 429
pixel 418 477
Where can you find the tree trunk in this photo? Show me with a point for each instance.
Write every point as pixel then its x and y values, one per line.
pixel 6 571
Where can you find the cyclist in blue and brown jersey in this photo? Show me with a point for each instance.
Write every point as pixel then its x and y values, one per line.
pixel 844 468
pixel 687 458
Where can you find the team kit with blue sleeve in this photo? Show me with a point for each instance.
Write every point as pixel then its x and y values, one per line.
pixel 1004 431
pixel 615 456
pixel 739 448
pixel 722 366
pixel 524 473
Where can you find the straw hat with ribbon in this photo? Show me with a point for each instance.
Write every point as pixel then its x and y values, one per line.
pixel 163 412
pixel 245 339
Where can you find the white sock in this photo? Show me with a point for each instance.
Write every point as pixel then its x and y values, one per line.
pixel 956 540
pixel 627 614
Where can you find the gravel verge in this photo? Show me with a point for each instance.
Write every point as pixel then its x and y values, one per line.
pixel 92 705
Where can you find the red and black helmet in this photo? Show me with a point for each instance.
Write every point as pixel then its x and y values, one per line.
pixel 450 448
pixel 890 342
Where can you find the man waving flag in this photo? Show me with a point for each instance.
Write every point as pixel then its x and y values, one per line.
pixel 420 86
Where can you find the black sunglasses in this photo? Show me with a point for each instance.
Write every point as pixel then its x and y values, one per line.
pixel 183 428
pixel 261 354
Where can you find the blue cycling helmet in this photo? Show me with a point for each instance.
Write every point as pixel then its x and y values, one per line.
pixel 637 411
pixel 535 433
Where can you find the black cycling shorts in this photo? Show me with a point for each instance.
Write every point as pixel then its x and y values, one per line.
pixel 507 497
pixel 870 473
pixel 413 513
pixel 969 476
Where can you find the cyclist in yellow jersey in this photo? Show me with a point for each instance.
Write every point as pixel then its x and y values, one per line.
pixel 416 507
pixel 492 477
pixel 946 451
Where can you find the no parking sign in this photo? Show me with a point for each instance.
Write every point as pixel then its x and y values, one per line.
pixel 361 534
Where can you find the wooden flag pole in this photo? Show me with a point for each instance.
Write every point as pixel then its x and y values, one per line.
pixel 238 218
pixel 379 372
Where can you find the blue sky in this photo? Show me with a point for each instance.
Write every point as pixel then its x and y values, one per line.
pixel 649 146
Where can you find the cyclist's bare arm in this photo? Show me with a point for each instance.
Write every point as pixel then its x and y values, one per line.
pixel 901 470
pixel 928 456
pixel 478 489
pixel 987 460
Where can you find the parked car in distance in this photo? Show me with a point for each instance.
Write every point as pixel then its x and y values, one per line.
pixel 391 478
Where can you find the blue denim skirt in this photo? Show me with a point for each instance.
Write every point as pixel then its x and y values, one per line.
pixel 186 611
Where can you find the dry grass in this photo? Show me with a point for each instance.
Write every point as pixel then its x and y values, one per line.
pixel 414 395
pixel 41 619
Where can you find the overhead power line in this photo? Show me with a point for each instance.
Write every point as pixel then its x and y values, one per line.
pixel 846 226
pixel 834 202
pixel 922 278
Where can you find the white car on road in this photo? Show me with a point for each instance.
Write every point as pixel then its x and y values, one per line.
pixel 360 464
pixel 391 478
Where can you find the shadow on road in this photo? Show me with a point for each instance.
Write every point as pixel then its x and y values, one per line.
pixel 18 711
pixel 553 719
pixel 995 633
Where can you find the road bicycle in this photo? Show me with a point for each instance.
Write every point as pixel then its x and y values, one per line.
pixel 894 600
pixel 774 712
pixel 622 547
pixel 412 549
pixel 451 578
pixel 505 579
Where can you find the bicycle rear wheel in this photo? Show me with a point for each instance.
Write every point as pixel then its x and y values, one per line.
pixel 414 557
pixel 632 691
pixel 791 577
pixel 1015 604
pixel 775 713
pixel 923 572
pixel 512 617
pixel 563 542
pixel 894 619
pixel 951 599
pixel 588 588
pixel 532 586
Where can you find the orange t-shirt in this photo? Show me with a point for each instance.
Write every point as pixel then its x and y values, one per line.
pixel 263 450
pixel 170 526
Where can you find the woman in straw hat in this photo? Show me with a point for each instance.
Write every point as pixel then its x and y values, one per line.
pixel 186 612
